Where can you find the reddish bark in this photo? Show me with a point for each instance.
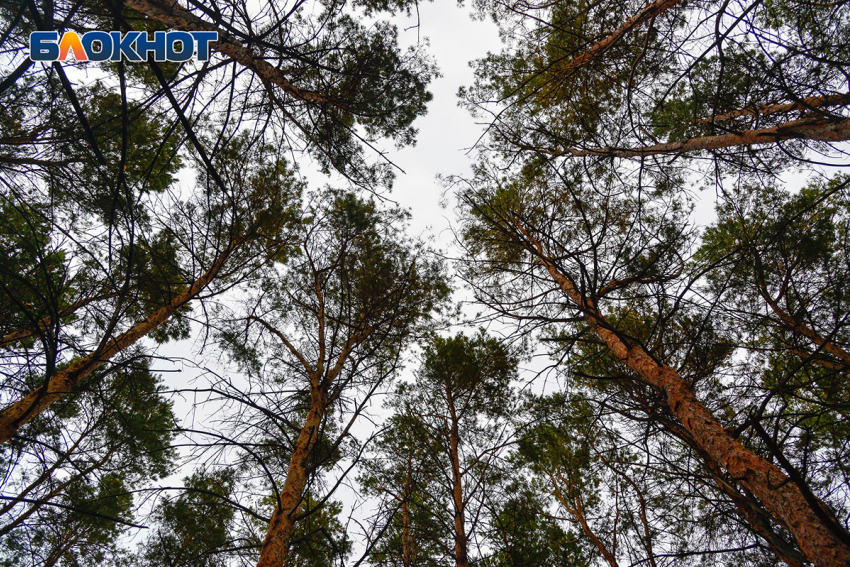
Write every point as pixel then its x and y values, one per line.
pixel 174 16
pixel 807 129
pixel 461 552
pixel 757 519
pixel 650 11
pixel 803 104
pixel 276 545
pixel 22 411
pixel 781 497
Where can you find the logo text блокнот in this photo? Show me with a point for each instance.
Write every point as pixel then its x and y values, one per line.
pixel 46 45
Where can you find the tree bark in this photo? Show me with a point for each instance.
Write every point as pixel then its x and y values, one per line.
pixel 461 552
pixel 276 545
pixel 406 551
pixel 781 497
pixel 174 16
pixel 13 417
pixel 756 519
pixel 806 129
pixel 275 548
pixel 802 104
pixel 650 11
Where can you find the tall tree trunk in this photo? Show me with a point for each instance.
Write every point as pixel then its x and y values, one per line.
pixel 13 417
pixel 276 546
pixel 461 552
pixel 780 496
pixel 406 551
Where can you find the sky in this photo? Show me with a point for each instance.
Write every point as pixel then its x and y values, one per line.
pixel 447 132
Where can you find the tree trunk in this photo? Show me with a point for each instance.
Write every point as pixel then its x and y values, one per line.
pixel 461 552
pixel 780 496
pixel 406 551
pixel 13 417
pixel 276 546
pixel 756 519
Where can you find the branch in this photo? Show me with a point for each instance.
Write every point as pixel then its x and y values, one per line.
pixel 44 322
pixel 650 11
pixel 806 129
pixel 802 104
pixel 179 18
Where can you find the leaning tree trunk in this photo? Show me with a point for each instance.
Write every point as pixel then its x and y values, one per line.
pixel 275 548
pixel 779 494
pixel 13 417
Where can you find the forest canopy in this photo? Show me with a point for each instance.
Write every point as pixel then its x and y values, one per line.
pixel 591 373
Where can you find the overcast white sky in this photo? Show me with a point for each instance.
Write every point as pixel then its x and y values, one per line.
pixel 447 131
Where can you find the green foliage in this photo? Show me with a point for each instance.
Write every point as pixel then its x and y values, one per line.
pixel 83 465
pixel 319 539
pixel 193 529
pixel 524 534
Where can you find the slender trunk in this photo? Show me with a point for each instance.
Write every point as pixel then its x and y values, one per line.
pixel 807 129
pixel 461 553
pixel 405 517
pixel 13 417
pixel 578 512
pixel 275 547
pixel 780 496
